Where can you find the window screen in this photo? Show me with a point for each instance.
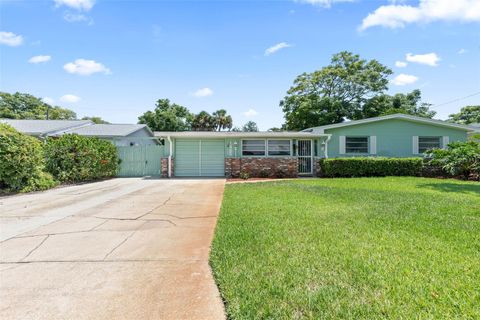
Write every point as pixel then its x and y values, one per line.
pixel 356 144
pixel 426 143
pixel 253 147
pixel 278 147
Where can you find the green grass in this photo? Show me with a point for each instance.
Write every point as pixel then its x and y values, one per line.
pixel 368 248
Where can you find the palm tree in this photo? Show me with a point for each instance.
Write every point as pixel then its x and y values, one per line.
pixel 222 120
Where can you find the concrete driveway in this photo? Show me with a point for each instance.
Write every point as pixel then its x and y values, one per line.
pixel 117 249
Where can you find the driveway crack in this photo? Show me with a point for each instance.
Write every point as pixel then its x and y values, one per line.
pixel 122 242
pixel 36 247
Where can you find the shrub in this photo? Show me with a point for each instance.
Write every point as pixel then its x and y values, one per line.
pixel 21 162
pixel 370 167
pixel 460 158
pixel 264 173
pixel 73 158
pixel 244 175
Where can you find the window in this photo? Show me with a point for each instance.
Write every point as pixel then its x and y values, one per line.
pixel 426 143
pixel 253 147
pixel 356 144
pixel 278 147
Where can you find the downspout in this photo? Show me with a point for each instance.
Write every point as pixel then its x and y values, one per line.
pixel 326 145
pixel 170 147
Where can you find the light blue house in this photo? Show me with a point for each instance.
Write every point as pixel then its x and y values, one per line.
pixel 396 135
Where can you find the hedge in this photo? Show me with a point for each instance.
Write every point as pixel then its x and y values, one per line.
pixel 74 158
pixel 22 162
pixel 370 167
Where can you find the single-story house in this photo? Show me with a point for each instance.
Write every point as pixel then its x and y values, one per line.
pixel 119 134
pixel 292 154
pixel 396 135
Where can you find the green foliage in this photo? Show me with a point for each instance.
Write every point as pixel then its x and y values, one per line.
pixel 96 120
pixel 333 93
pixel 222 120
pixel 167 117
pixel 26 106
pixel 203 121
pixel 467 115
pixel 73 158
pixel 370 167
pixel 244 175
pixel 250 126
pixel 384 104
pixel 21 162
pixel 460 158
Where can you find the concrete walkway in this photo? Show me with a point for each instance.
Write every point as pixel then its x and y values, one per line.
pixel 117 249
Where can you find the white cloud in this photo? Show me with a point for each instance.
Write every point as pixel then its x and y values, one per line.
pixel 462 51
pixel 404 79
pixel 250 113
pixel 39 59
pixel 277 47
pixel 400 64
pixel 48 100
pixel 70 98
pixel 203 92
pixel 430 59
pixel 84 5
pixel 10 39
pixel 85 67
pixel 77 17
pixel 323 3
pixel 397 16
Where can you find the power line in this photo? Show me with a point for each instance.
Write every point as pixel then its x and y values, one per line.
pixel 455 100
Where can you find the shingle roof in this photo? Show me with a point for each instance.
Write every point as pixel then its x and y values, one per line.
pixel 322 129
pixel 109 130
pixel 44 127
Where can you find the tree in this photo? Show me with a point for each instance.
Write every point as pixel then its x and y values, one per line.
pixel 333 93
pixel 96 120
pixel 25 106
pixel 222 120
pixel 250 126
pixel 467 115
pixel 167 117
pixel 384 104
pixel 204 121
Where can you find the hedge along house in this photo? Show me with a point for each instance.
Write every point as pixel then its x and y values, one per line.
pixel 396 135
pixel 259 154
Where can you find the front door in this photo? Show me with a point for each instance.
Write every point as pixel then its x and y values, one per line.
pixel 305 157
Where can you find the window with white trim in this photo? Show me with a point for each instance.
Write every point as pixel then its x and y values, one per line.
pixel 253 147
pixel 356 144
pixel 427 143
pixel 279 148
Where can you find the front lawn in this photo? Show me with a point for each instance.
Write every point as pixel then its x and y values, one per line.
pixel 367 248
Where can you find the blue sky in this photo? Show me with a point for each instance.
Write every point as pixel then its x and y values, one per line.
pixel 114 59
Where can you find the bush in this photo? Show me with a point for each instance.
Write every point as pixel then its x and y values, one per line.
pixel 73 158
pixel 460 158
pixel 21 162
pixel 370 167
pixel 244 175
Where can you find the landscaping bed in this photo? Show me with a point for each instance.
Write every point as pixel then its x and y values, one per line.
pixel 359 248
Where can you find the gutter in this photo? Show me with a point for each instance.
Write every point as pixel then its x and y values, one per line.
pixel 326 145
pixel 170 147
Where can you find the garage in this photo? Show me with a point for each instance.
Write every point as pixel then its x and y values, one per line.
pixel 199 158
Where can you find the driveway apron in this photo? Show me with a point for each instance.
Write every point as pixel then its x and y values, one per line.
pixel 122 248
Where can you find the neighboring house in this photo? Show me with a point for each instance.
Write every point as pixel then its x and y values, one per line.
pixel 45 128
pixel 396 135
pixel 119 134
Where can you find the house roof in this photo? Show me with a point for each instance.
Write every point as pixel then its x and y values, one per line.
pixel 45 127
pixel 109 130
pixel 407 117
pixel 232 134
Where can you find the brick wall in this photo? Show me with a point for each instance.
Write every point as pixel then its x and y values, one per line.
pixel 281 167
pixel 164 167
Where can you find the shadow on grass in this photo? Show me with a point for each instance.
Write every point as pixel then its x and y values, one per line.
pixel 473 188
